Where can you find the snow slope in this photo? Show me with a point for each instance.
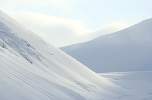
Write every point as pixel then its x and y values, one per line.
pixel 31 69
pixel 126 50
pixel 138 84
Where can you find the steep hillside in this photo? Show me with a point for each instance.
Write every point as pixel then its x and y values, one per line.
pixel 30 69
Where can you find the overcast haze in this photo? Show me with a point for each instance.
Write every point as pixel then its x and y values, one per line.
pixel 64 22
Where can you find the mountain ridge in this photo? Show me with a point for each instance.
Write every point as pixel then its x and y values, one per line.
pixel 131 46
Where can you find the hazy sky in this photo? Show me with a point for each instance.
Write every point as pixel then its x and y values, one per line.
pixel 64 22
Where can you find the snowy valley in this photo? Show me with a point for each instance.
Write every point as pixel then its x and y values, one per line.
pixel 31 69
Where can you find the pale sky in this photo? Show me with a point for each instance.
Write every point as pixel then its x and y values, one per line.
pixel 65 22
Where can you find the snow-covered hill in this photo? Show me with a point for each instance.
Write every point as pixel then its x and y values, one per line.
pixel 127 50
pixel 31 69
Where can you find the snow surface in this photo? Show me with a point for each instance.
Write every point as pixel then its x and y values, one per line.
pixel 127 50
pixel 138 84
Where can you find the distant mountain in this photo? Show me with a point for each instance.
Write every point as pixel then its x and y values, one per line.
pixel 126 50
